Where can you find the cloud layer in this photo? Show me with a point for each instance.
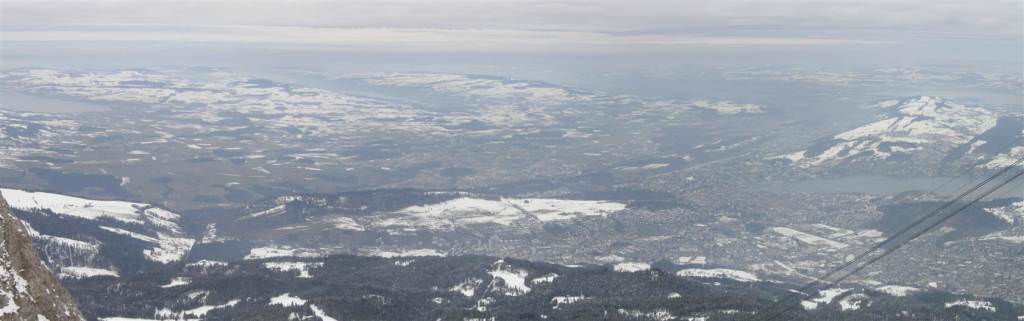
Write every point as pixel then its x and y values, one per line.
pixel 507 24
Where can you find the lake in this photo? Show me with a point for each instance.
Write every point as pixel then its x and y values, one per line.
pixel 11 100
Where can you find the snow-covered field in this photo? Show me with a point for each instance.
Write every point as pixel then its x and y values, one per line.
pixel 512 280
pixel 737 275
pixel 629 267
pixel 303 268
pixel 897 290
pixel 808 238
pixel 267 252
pixel 824 297
pixel 466 211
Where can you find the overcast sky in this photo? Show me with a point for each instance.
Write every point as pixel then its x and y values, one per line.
pixel 504 25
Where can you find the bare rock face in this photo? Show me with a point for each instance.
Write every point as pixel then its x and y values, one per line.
pixel 28 290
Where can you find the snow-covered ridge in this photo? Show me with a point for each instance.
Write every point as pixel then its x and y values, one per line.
pixel 914 125
pixel 170 243
pixel 128 212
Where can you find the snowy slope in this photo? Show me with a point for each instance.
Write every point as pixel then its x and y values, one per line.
pixel 159 229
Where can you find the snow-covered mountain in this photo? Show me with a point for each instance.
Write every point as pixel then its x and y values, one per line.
pixel 28 290
pixel 80 238
pixel 929 132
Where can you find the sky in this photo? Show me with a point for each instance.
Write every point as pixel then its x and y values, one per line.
pixel 515 25
pixel 516 37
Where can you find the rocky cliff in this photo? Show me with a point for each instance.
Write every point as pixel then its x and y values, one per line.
pixel 28 290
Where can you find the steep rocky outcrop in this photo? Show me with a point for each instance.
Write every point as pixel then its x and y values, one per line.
pixel 28 290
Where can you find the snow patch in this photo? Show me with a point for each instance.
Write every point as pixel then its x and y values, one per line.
pixel 191 314
pixel 897 290
pixel 302 267
pixel 408 253
pixel 547 278
pixel 467 287
pixel 287 300
pixel 824 297
pixel 82 272
pixel 973 304
pixel 630 267
pixel 319 313
pixel 272 252
pixel 512 280
pixel 559 301
pixel 178 281
pixel 657 315
pixel 737 275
